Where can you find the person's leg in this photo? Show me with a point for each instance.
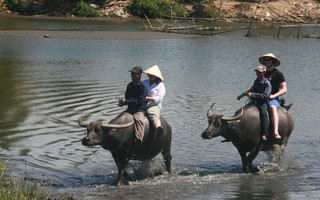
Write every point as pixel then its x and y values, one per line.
pixel 275 120
pixel 154 115
pixel 264 118
pixel 273 108
pixel 139 126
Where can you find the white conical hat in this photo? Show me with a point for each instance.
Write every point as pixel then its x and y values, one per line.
pixel 155 71
pixel 270 55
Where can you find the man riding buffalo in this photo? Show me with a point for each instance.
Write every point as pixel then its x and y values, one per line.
pixel 243 130
pixel 129 136
pixel 135 98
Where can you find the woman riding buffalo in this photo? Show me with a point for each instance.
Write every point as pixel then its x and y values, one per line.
pixel 156 91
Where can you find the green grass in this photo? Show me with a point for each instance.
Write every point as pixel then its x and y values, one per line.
pixel 18 188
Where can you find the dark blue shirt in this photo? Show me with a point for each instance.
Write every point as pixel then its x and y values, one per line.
pixel 261 90
pixel 136 97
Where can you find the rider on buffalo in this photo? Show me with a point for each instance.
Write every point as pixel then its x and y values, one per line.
pixel 135 97
pixel 259 94
pixel 279 88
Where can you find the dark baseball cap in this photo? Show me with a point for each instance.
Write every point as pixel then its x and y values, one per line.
pixel 136 69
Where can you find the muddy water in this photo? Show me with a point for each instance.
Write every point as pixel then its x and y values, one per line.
pixel 47 83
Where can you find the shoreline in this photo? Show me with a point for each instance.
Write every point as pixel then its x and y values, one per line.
pixel 262 11
pixel 95 35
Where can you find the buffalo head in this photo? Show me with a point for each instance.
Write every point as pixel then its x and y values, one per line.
pixel 218 124
pixel 95 130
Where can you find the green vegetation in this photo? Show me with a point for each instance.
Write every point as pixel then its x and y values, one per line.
pixel 18 189
pixel 155 8
pixel 139 8
pixel 83 9
pixel 55 7
pixel 208 10
pixel 20 6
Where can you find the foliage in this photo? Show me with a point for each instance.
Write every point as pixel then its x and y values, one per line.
pixel 20 6
pixel 83 9
pixel 212 10
pixel 209 10
pixel 31 7
pixel 155 8
pixel 139 8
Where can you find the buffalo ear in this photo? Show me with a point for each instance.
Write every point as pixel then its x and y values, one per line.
pixel 232 124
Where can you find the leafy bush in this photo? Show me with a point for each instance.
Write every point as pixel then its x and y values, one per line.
pixel 154 8
pixel 83 9
pixel 20 6
pixel 206 10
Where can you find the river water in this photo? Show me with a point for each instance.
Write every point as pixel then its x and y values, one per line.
pixel 82 68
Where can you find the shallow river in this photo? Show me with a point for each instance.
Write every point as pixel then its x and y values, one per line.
pixel 47 83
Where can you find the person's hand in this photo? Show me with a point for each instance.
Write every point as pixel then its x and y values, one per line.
pixel 149 98
pixel 272 96
pixel 121 102
pixel 241 95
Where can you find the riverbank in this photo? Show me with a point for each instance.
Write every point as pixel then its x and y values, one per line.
pixel 289 11
pixel 286 11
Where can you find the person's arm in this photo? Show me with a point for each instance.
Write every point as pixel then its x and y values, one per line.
pixel 246 93
pixel 283 90
pixel 122 101
pixel 161 91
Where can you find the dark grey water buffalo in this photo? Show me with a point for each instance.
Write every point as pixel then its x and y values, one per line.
pixel 243 130
pixel 118 137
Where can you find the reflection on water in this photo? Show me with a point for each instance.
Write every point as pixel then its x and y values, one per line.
pixel 46 84
pixel 66 24
pixel 12 107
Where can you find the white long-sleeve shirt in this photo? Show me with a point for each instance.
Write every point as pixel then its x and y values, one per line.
pixel 157 91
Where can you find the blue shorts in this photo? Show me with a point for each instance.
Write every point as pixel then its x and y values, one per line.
pixel 275 102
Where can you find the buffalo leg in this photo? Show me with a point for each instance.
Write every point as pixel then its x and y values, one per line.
pixel 167 157
pixel 252 155
pixel 244 162
pixel 121 163
pixel 167 160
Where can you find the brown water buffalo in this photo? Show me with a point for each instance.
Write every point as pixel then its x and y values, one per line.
pixel 243 130
pixel 118 137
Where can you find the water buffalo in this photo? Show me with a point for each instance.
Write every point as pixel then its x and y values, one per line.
pixel 118 137
pixel 243 130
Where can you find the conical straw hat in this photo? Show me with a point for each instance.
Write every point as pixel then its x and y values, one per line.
pixel 270 55
pixel 155 71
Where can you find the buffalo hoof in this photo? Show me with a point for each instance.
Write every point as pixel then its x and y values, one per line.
pixel 118 184
pixel 255 170
pixel 245 170
pixel 121 183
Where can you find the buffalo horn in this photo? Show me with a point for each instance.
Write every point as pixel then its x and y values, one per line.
pixel 81 122
pixel 116 126
pixel 235 117
pixel 209 111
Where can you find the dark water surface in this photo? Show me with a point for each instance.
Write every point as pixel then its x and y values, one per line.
pixel 47 83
